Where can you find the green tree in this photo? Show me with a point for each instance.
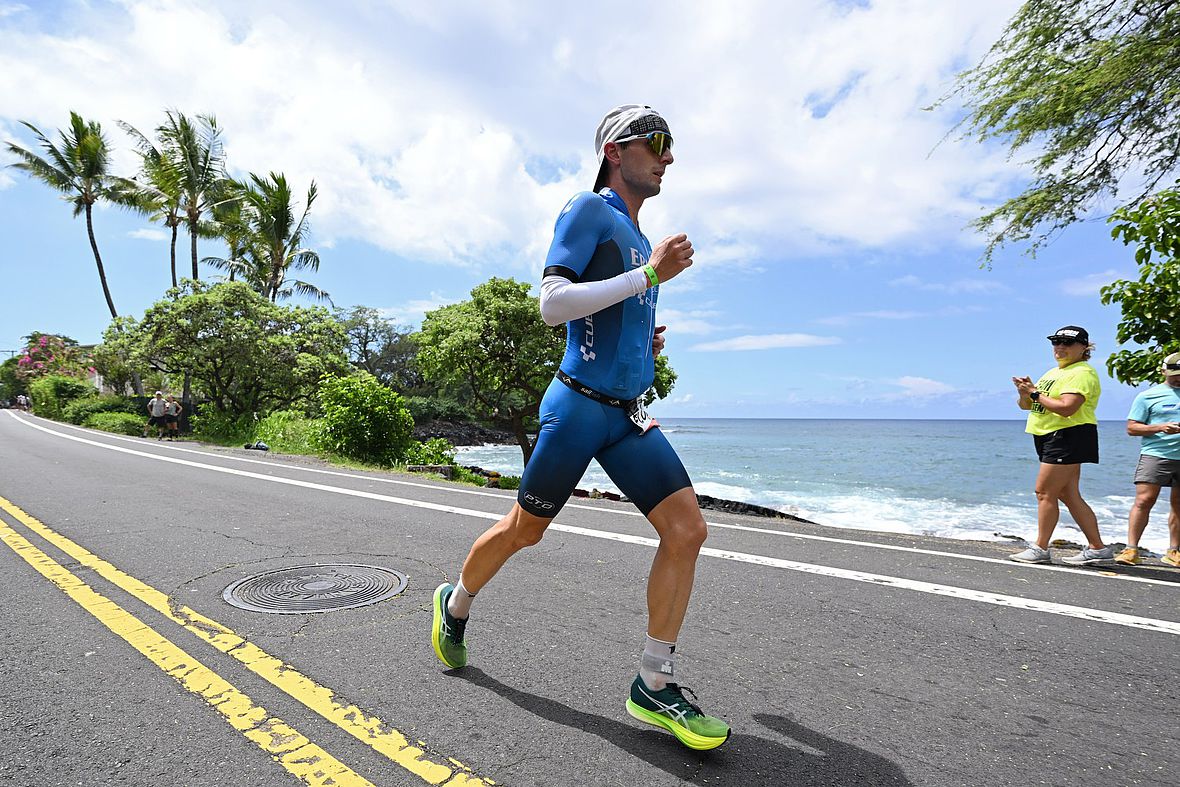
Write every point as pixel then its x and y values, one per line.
pixel 78 167
pixel 497 345
pixel 266 238
pixel 243 352
pixel 1093 87
pixel 196 156
pixel 382 349
pixel 159 188
pixel 11 383
pixel 1149 304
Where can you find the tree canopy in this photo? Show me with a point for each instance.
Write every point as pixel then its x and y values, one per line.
pixel 1092 89
pixel 244 353
pixel 1150 306
pixel 498 345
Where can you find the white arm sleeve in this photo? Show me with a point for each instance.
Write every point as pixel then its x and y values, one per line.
pixel 563 300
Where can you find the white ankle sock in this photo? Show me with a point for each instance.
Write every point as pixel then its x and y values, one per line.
pixel 459 604
pixel 657 665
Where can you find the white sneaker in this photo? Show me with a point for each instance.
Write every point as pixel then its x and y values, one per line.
pixel 1034 554
pixel 1088 556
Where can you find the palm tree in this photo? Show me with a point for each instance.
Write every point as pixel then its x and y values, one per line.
pixel 266 239
pixel 158 194
pixel 195 152
pixel 77 167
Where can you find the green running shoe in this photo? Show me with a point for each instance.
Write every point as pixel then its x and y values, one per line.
pixel 669 709
pixel 447 632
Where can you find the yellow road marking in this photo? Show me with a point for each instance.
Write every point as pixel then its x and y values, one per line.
pixel 302 758
pixel 367 728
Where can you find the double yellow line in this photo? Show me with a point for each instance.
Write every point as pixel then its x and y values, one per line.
pixel 294 751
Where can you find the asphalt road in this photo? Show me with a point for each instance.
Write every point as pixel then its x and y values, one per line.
pixel 839 657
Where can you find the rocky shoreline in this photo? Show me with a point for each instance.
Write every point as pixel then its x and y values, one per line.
pixel 469 434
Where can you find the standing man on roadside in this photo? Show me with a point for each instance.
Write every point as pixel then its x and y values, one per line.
pixel 157 408
pixel 1155 417
pixel 601 278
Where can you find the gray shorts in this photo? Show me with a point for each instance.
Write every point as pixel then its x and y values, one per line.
pixel 1157 470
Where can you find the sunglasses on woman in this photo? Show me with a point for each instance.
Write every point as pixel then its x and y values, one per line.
pixel 1067 342
pixel 658 141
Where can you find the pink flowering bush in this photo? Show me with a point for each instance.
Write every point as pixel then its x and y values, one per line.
pixel 46 354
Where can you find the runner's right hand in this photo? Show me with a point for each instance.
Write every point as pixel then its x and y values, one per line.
pixel 671 256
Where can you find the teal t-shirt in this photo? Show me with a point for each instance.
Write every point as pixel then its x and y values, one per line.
pixel 1158 405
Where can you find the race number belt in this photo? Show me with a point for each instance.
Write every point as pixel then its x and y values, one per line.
pixel 634 407
pixel 590 393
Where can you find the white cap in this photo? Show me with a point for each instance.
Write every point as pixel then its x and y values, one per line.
pixel 1172 365
pixel 159 393
pixel 626 120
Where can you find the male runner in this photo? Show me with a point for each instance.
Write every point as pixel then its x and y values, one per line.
pixel 601 278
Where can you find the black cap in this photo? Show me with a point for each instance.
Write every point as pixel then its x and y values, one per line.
pixel 1071 332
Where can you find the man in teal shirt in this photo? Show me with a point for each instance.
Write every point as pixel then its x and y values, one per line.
pixel 1155 417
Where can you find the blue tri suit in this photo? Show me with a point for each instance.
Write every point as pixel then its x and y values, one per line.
pixel 610 352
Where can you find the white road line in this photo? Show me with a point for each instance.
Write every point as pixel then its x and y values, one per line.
pixel 1015 602
pixel 723 525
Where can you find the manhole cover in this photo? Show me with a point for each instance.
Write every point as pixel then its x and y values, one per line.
pixel 319 588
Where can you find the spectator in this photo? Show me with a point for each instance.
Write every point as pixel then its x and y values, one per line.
pixel 1155 417
pixel 157 415
pixel 1064 427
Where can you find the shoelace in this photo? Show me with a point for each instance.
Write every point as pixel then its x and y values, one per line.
pixel 455 628
pixel 679 690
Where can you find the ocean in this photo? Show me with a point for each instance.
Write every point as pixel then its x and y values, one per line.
pixel 957 479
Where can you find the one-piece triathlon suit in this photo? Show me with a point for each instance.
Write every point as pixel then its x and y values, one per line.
pixel 609 354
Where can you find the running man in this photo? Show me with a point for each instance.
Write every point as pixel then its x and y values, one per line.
pixel 1155 417
pixel 601 278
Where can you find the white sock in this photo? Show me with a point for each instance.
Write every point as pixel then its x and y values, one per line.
pixel 459 605
pixel 657 665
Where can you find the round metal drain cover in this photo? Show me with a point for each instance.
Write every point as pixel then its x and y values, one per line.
pixel 317 588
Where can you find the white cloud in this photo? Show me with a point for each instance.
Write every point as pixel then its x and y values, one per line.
pixel 412 312
pixel 1089 285
pixel 846 319
pixel 694 322
pixel 799 127
pixel 768 341
pixel 958 287
pixel 922 386
pixel 12 9
pixel 149 234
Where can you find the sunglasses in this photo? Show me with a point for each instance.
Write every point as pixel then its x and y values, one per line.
pixel 658 141
pixel 1172 367
pixel 1067 342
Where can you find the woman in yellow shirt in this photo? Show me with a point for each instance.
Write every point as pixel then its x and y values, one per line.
pixel 1064 426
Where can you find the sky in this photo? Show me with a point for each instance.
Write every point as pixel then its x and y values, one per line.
pixel 835 273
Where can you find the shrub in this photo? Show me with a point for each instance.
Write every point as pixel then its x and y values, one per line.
pixel 51 392
pixel 510 482
pixel 435 451
pixel 77 411
pixel 362 419
pixel 223 428
pixel 288 431
pixel 119 423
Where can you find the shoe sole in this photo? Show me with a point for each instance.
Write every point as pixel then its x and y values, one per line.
pixel 1170 563
pixel 1031 562
pixel 1092 562
pixel 1134 562
pixel 685 736
pixel 436 633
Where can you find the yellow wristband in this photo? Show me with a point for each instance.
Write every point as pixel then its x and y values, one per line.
pixel 652 279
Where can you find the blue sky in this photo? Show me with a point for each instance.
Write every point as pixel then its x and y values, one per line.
pixel 835 276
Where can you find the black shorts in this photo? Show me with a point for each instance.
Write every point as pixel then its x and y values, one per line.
pixel 1074 445
pixel 156 420
pixel 171 419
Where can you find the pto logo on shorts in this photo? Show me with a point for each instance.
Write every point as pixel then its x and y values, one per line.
pixel 538 503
